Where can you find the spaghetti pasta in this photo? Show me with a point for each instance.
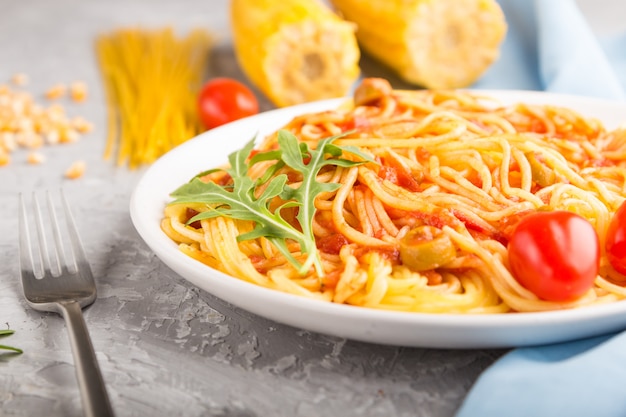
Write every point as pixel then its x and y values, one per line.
pixel 151 79
pixel 459 164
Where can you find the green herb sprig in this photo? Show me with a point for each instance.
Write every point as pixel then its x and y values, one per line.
pixel 9 332
pixel 239 201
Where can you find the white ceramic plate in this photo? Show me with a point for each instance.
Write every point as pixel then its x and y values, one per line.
pixel 386 327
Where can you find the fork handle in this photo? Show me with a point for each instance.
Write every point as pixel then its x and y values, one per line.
pixel 90 382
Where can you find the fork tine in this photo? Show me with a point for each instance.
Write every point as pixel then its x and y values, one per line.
pixel 59 252
pixel 27 263
pixel 79 257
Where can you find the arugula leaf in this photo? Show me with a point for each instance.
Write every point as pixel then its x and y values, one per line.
pixel 7 333
pixel 239 200
pixel 292 156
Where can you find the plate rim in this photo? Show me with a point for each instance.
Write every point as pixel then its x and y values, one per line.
pixel 361 323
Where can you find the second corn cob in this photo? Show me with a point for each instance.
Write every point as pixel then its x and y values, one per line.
pixel 432 43
pixel 294 51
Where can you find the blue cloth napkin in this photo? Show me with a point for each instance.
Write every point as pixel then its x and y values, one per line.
pixel 549 46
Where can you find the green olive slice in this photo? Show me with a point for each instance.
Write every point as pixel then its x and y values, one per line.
pixel 426 247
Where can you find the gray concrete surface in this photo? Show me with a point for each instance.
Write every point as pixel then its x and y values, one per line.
pixel 165 347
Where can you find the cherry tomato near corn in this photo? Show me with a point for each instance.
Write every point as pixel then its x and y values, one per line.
pixel 223 100
pixel 616 240
pixel 555 254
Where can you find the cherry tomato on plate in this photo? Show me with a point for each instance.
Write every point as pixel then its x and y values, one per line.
pixel 555 254
pixel 616 240
pixel 223 100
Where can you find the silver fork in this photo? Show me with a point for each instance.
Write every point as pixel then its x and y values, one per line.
pixel 54 281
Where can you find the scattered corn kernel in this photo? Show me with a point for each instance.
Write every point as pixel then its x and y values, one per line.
pixel 53 137
pixel 82 125
pixel 78 91
pixel 56 112
pixel 35 158
pixel 67 134
pixel 76 170
pixel 7 141
pixel 19 79
pixel 56 91
pixel 5 158
pixel 30 140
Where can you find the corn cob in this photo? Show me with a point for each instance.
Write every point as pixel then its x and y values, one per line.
pixel 432 43
pixel 294 51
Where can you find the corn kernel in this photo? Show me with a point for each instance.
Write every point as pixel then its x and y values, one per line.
pixel 33 140
pixel 19 79
pixel 35 109
pixel 68 134
pixel 78 91
pixel 56 112
pixel 52 137
pixel 7 141
pixel 35 158
pixel 82 125
pixel 56 91
pixel 5 158
pixel 28 139
pixel 76 170
pixel 25 124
